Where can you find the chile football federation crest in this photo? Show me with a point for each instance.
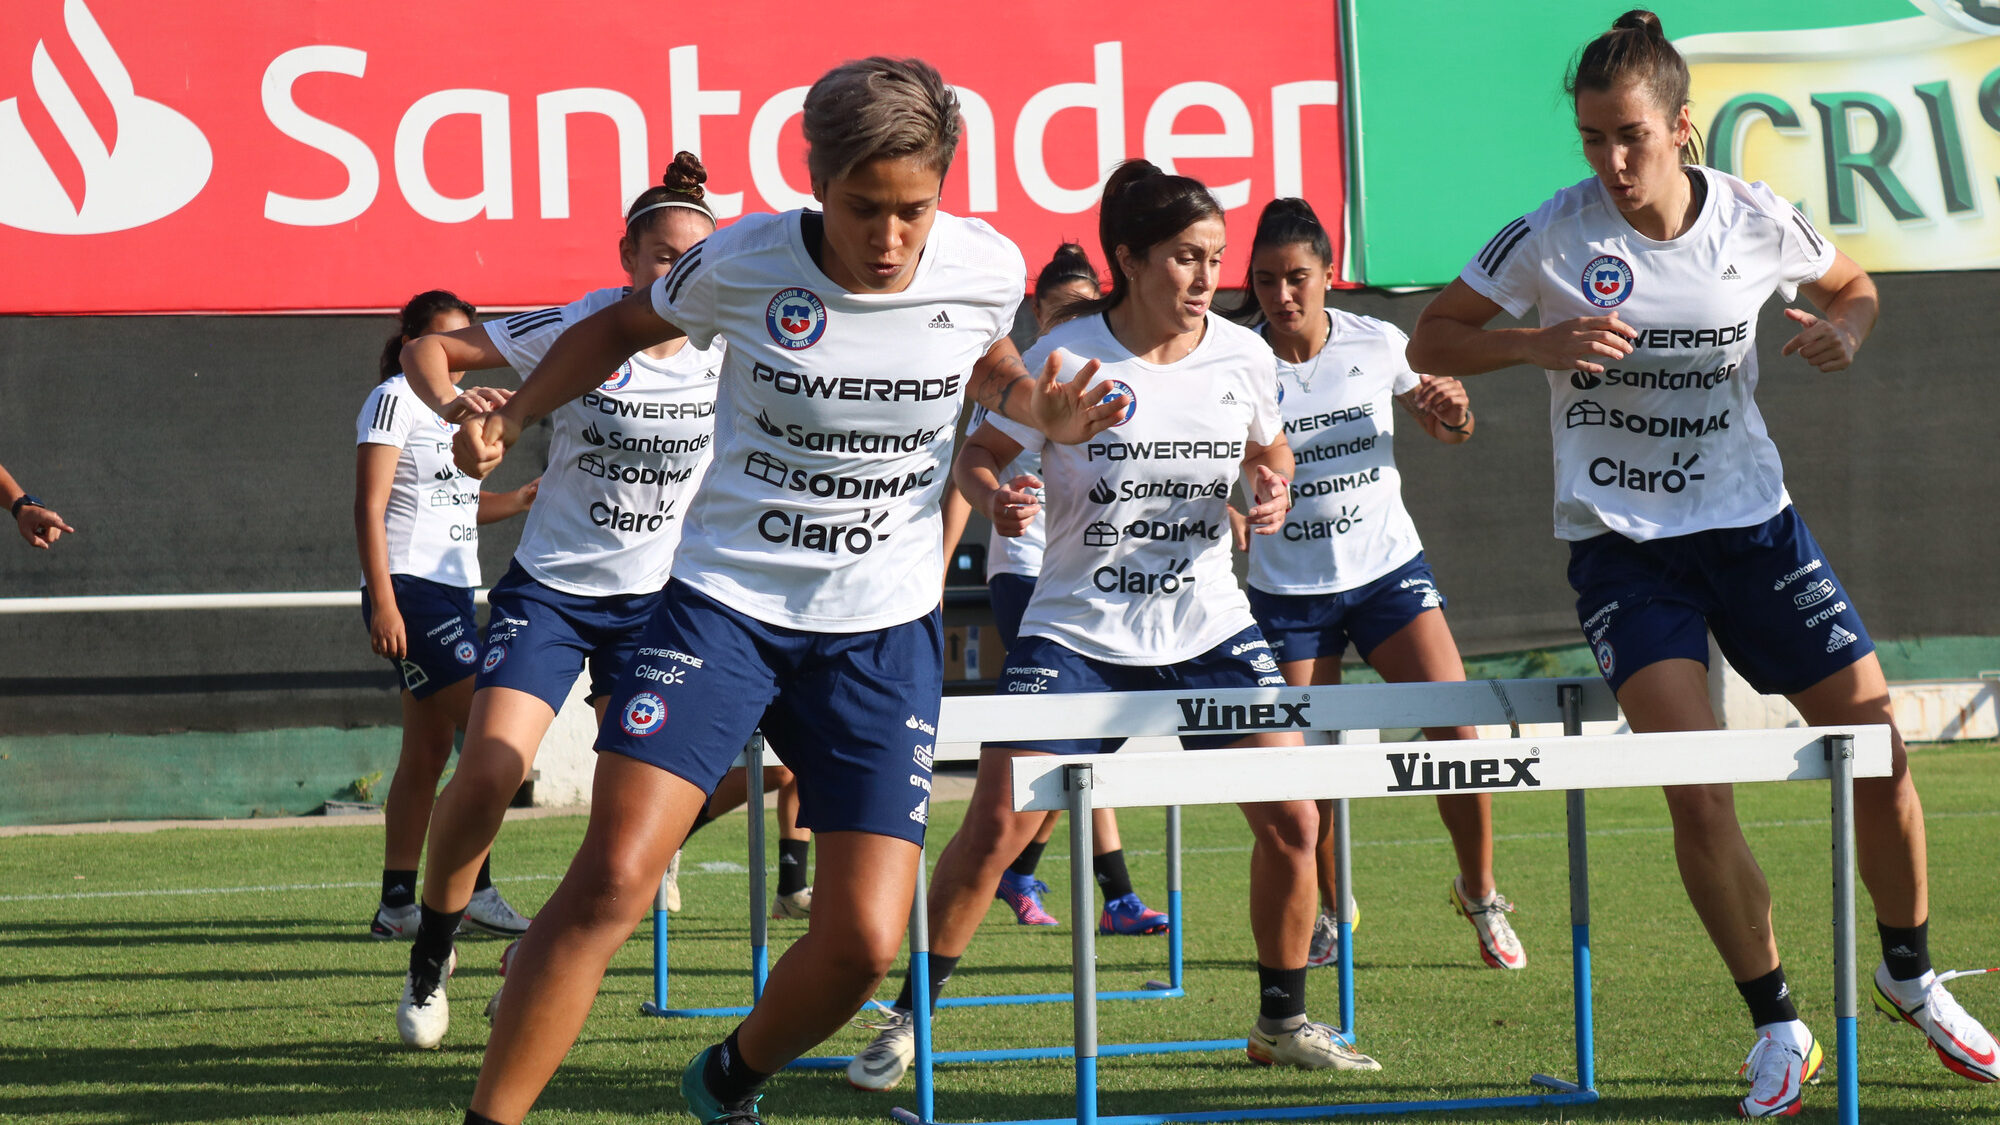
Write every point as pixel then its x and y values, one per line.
pixel 1607 281
pixel 465 652
pixel 618 378
pixel 644 714
pixel 796 318
pixel 1118 388
pixel 494 656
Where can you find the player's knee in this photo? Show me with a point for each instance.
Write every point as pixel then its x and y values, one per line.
pixel 611 886
pixel 860 954
pixel 1702 808
pixel 1291 828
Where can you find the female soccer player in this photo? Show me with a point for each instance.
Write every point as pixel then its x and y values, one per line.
pixel 419 564
pixel 1012 562
pixel 1649 277
pixel 1347 565
pixel 623 461
pixel 1136 591
pixel 805 592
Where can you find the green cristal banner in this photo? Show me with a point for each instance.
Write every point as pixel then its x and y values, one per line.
pixel 1879 118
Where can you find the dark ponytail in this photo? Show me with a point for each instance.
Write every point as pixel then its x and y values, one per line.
pixel 1141 208
pixel 1071 263
pixel 679 186
pixel 1284 221
pixel 416 320
pixel 1636 50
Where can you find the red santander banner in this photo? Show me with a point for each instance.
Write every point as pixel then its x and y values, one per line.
pixel 243 155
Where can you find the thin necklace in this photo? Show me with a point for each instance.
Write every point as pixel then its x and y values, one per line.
pixel 1306 376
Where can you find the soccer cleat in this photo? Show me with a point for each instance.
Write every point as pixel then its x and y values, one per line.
pixel 489 912
pixel 1127 915
pixel 798 904
pixel 1313 1046
pixel 395 923
pixel 1778 1073
pixel 1325 949
pixel 1961 1043
pixel 671 885
pixel 703 1105
pixel 884 1061
pixel 1498 946
pixel 1023 893
pixel 506 961
pixel 423 1014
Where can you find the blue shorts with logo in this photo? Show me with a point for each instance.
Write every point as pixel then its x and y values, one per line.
pixel 1043 665
pixel 1779 615
pixel 438 626
pixel 1009 594
pixel 854 715
pixel 538 639
pixel 1309 626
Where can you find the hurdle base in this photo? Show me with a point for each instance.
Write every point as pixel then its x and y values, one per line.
pixel 651 1009
pixel 1031 1054
pixel 1295 1113
pixel 1153 990
pixel 1555 1083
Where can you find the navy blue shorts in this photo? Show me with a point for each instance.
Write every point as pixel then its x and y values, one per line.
pixel 854 715
pixel 539 639
pixel 1309 626
pixel 1778 614
pixel 1043 665
pixel 439 625
pixel 1009 594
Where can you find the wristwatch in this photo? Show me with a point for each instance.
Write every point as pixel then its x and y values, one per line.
pixel 25 500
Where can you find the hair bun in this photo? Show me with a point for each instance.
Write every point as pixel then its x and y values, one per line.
pixel 685 175
pixel 1640 20
pixel 1292 207
pixel 1070 252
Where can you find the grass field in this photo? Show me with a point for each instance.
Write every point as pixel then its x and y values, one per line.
pixel 199 975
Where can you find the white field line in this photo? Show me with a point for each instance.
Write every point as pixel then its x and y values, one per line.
pixel 727 868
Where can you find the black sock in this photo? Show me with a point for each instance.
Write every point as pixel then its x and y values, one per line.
pixel 1112 878
pixel 1769 997
pixel 792 855
pixel 941 970
pixel 1281 993
pixel 472 1118
pixel 727 1076
pixel 1031 856
pixel 399 888
pixel 701 820
pixel 434 934
pixel 484 879
pixel 1906 950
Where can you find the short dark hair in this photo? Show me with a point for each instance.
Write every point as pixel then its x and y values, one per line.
pixel 1141 208
pixel 877 108
pixel 1636 49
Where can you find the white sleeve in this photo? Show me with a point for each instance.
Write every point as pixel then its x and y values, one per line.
pixel 1029 438
pixel 685 297
pixel 1804 253
pixel 525 338
pixel 1504 272
pixel 1403 380
pixel 1267 421
pixel 386 418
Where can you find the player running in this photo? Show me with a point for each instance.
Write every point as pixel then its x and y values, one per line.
pixel 805 593
pixel 416 524
pixel 623 460
pixel 1136 591
pixel 1347 564
pixel 1649 278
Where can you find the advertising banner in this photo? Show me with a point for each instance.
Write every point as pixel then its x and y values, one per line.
pixel 1880 119
pixel 343 154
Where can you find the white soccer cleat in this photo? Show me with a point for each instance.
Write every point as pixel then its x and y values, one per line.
pixel 798 904
pixel 1498 946
pixel 423 1015
pixel 489 912
pixel 1312 1046
pixel 1961 1043
pixel 506 962
pixel 671 885
pixel 1778 1073
pixel 1325 949
pixel 395 923
pixel 883 1062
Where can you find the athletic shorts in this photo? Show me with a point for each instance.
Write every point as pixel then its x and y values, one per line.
pixel 854 715
pixel 1009 594
pixel 439 625
pixel 538 639
pixel 1778 613
pixel 1309 626
pixel 1042 665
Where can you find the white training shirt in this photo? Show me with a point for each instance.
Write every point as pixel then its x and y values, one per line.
pixel 623 460
pixel 834 426
pixel 433 514
pixel 1668 441
pixel 1138 564
pixel 1347 526
pixel 1019 554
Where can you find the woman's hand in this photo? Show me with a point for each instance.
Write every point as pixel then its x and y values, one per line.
pixel 1274 499
pixel 1582 344
pixel 385 632
pixel 481 443
pixel 1013 506
pixel 473 402
pixel 40 526
pixel 1820 342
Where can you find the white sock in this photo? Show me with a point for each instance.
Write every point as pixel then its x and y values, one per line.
pixel 1792 1033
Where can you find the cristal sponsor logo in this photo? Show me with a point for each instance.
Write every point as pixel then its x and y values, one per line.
pixel 1170 489
pixel 915 722
pixel 465 653
pixel 1654 380
pixel 1826 615
pixel 1634 478
pixel 1312 422
pixel 1839 639
pixel 1125 580
pixel 923 755
pixel 1203 713
pixel 1797 574
pixel 675 655
pixel 1814 594
pixel 1164 450
pixel 595 465
pixel 1334 485
pixel 619 519
pixel 665 676
pixel 854 388
pixel 644 714
pixel 762 466
pixel 1332 451
pixel 1589 413
pixel 857 536
pixel 648 411
pixel 1299 531
pixel 149 163
pixel 1432 599
pixel 1417 772
pixel 1263 663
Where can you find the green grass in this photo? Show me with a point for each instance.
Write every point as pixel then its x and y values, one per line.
pixel 271 1004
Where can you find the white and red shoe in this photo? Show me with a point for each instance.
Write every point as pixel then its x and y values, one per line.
pixel 1965 1047
pixel 1778 1072
pixel 1498 946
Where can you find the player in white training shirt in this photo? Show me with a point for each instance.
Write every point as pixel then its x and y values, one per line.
pixel 1648 278
pixel 623 461
pixel 804 598
pixel 416 524
pixel 1136 590
pixel 1347 565
pixel 1012 562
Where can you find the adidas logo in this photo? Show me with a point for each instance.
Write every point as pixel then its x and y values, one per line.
pixel 1276 993
pixel 1730 274
pixel 1902 951
pixel 1784 989
pixel 1839 639
pixel 941 320
pixel 1229 398
pixel 1354 372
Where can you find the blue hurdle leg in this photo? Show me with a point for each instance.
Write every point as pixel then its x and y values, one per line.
pixel 1343 879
